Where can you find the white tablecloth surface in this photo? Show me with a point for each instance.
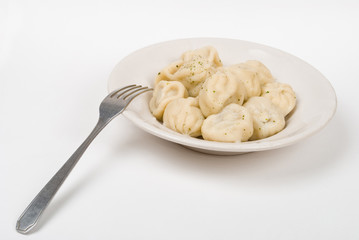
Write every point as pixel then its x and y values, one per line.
pixel 55 58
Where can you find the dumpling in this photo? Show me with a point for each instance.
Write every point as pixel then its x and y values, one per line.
pixel 268 119
pixel 281 94
pixel 184 116
pixel 263 73
pixel 197 96
pixel 193 69
pixel 168 72
pixel 164 92
pixel 218 91
pixel 193 73
pixel 233 124
pixel 209 53
pixel 249 78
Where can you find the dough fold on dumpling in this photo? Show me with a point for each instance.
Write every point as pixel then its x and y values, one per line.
pixel 281 94
pixel 233 124
pixel 249 78
pixel 184 116
pixel 193 69
pixel 263 73
pixel 268 119
pixel 168 72
pixel 221 89
pixel 164 92
pixel 209 53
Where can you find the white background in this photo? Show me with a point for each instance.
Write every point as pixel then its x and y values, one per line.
pixel 55 58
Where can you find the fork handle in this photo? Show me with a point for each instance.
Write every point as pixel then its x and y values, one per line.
pixel 30 216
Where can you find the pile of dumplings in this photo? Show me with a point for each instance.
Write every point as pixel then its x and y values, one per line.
pixel 199 97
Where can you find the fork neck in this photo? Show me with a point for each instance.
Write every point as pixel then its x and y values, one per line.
pixel 101 123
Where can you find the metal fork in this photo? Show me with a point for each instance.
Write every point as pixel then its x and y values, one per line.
pixel 113 105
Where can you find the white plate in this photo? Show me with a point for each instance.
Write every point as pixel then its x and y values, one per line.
pixel 316 99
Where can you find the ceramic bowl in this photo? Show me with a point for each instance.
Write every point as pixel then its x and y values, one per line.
pixel 316 99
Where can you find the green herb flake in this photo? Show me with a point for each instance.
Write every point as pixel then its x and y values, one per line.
pixel 267 91
pixel 158 73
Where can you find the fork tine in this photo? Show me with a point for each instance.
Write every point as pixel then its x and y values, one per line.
pixel 128 93
pixel 129 97
pixel 121 89
pixel 127 90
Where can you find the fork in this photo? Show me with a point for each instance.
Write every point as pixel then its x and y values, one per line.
pixel 113 105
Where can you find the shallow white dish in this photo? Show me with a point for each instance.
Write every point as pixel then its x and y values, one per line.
pixel 316 99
